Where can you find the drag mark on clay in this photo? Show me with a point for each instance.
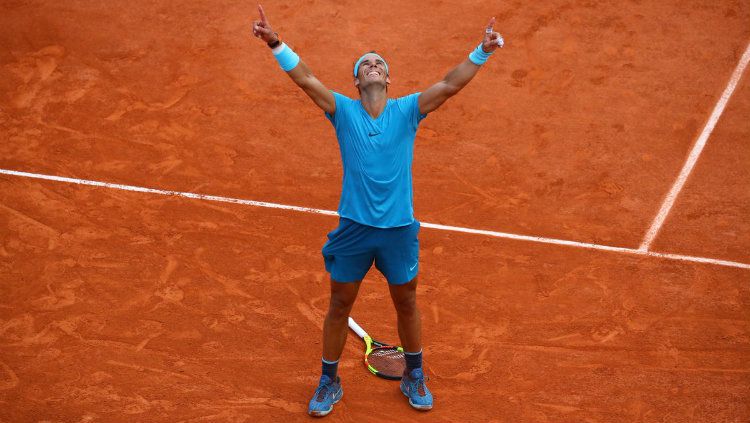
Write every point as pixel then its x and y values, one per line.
pixel 143 343
pixel 568 336
pixel 230 410
pixel 138 105
pixel 699 369
pixel 164 167
pixel 168 269
pixel 26 332
pixel 608 336
pixel 475 188
pixel 314 316
pixel 435 312
pixel 63 297
pixel 455 207
pixel 291 407
pixel 12 381
pixel 558 407
pixel 33 70
pixel 231 286
pixel 481 366
pixel 30 220
pixel 150 369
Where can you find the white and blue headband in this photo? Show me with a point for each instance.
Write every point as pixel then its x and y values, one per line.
pixel 356 65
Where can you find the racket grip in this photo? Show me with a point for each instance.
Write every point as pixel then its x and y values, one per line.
pixel 357 328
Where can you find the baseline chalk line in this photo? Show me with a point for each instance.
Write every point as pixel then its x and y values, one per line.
pixel 265 204
pixel 687 168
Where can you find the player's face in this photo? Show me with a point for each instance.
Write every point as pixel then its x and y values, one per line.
pixel 372 71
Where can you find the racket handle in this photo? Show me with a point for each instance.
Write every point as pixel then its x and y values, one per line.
pixel 357 328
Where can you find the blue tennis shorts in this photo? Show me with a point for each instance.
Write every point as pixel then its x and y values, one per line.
pixel 352 248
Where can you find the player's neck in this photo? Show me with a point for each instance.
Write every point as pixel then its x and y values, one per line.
pixel 374 100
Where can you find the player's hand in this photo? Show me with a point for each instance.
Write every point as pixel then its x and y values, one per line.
pixel 262 28
pixel 492 40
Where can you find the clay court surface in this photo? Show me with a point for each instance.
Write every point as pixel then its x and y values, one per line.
pixel 122 306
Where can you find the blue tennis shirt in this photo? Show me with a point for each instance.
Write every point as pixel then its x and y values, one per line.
pixel 377 156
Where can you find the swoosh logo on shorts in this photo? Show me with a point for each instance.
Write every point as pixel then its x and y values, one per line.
pixel 412 268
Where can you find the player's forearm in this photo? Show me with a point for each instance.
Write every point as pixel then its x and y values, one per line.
pixel 318 93
pixel 460 76
pixel 301 75
pixel 297 70
pixel 290 62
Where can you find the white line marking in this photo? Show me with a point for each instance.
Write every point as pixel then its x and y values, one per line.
pixel 163 192
pixel 577 244
pixel 697 259
pixel 695 152
pixel 423 224
pixel 528 238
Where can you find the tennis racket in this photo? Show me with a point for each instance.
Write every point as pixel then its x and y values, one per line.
pixel 382 360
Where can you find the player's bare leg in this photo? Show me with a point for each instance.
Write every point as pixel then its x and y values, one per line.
pixel 335 329
pixel 410 331
pixel 336 324
pixel 409 319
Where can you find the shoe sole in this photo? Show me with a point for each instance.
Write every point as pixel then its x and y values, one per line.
pixel 324 413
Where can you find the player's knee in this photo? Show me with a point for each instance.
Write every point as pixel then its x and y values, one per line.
pixel 340 307
pixel 406 306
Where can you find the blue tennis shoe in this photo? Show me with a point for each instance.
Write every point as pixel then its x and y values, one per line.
pixel 413 386
pixel 329 392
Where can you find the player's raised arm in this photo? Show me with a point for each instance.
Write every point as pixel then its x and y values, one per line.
pixel 293 66
pixel 457 78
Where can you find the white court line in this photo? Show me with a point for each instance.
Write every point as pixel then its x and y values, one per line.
pixel 424 224
pixel 695 152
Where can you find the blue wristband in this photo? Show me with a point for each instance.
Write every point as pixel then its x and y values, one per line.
pixel 286 57
pixel 478 56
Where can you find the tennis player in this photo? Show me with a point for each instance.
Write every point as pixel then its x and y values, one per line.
pixel 376 139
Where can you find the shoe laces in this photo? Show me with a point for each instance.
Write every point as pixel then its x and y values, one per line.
pixel 322 392
pixel 420 385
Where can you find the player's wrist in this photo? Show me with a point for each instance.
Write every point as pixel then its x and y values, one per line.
pixel 274 42
pixel 478 56
pixel 286 57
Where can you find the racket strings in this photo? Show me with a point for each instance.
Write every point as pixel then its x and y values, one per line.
pixel 388 361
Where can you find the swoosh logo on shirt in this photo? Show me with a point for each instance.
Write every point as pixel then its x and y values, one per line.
pixel 412 268
pixel 372 134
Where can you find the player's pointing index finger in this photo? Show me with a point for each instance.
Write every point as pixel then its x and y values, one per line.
pixel 490 25
pixel 262 14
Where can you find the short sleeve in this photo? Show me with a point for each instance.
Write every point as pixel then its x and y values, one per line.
pixel 342 105
pixel 409 106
